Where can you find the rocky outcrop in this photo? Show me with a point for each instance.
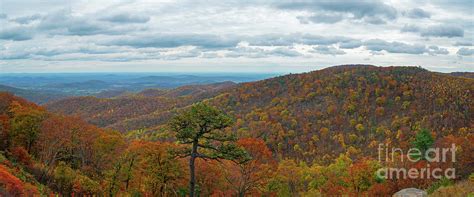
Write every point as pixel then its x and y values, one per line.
pixel 410 192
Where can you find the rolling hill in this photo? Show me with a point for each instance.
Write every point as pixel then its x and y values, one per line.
pixel 122 112
pixel 39 97
pixel 310 116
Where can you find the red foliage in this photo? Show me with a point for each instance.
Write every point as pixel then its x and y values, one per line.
pixel 464 159
pixel 381 189
pixel 14 186
pixel 333 188
pixel 6 99
pixel 4 132
pixel 250 177
pixel 209 177
pixel 21 156
pixel 257 149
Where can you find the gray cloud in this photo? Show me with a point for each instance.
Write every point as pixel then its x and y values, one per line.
pixel 443 31
pixel 321 18
pixel 359 9
pixel 27 19
pixel 455 5
pixel 245 52
pixel 465 52
pixel 55 20
pixel 184 54
pixel 174 40
pixel 283 52
pixel 15 33
pixel 410 28
pixel 463 43
pixel 375 20
pixel 253 52
pixel 327 50
pixel 435 50
pixel 435 31
pixel 63 52
pixel 126 18
pixel 353 8
pixel 211 41
pixel 116 31
pixel 352 44
pixel 376 46
pixel 147 46
pixel 87 49
pixel 210 55
pixel 290 39
pixel 8 55
pixel 82 28
pixel 63 22
pixel 84 53
pixel 49 52
pixel 394 47
pixel 418 13
pixel 273 40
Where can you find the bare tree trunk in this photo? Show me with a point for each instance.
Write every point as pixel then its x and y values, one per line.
pixel 129 173
pixel 192 181
pixel 114 179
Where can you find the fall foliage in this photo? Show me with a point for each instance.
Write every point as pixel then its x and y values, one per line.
pixel 310 134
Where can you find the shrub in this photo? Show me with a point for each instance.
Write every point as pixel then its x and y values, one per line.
pixel 444 182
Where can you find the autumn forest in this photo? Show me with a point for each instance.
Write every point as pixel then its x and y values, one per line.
pixel 318 133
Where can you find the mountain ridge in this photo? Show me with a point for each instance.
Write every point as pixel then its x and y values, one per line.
pixel 347 107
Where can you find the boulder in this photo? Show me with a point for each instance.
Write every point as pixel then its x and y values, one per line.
pixel 411 192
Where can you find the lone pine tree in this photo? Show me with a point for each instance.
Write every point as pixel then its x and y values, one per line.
pixel 201 127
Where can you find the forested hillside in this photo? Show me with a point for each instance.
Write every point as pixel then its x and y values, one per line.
pixel 309 116
pixel 135 111
pixel 307 134
pixel 349 108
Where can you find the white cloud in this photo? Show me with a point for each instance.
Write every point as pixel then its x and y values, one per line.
pixel 226 33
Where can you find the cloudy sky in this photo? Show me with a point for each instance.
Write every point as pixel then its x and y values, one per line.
pixel 233 36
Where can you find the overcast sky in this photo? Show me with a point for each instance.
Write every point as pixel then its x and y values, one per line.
pixel 233 36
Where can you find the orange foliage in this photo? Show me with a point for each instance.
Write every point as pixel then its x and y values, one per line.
pixel 209 177
pixel 14 186
pixel 249 178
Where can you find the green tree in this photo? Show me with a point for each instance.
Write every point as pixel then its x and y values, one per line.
pixel 64 177
pixel 25 125
pixel 201 128
pixel 423 141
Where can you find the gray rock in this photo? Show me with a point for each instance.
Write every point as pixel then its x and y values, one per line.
pixel 411 192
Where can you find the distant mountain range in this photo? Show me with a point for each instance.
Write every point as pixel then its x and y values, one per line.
pixel 41 88
pixel 463 74
pixel 36 96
